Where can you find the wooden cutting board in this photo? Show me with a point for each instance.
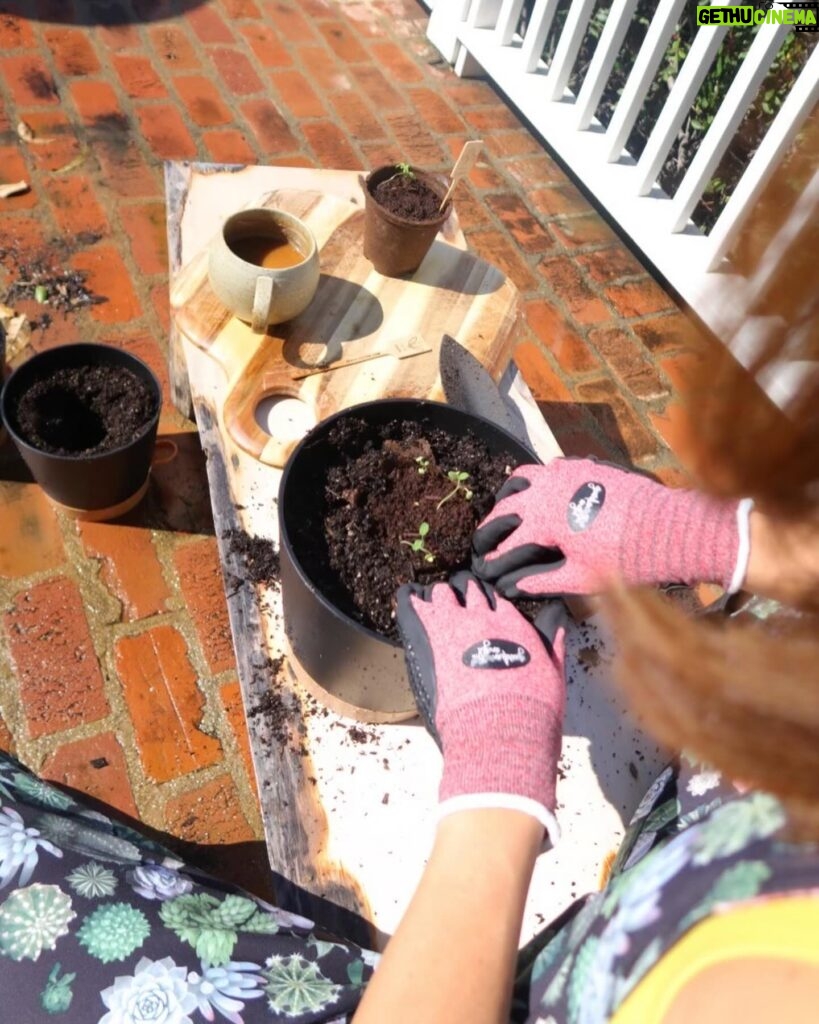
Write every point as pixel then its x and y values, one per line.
pixel 355 313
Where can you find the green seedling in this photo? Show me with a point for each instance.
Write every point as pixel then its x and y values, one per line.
pixel 423 465
pixel 405 170
pixel 459 478
pixel 418 543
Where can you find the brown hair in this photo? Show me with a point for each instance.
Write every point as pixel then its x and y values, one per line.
pixel 744 696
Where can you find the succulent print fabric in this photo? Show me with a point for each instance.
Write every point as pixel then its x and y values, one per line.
pixel 696 846
pixel 99 924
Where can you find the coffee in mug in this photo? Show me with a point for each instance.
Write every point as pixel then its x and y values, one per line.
pixel 264 266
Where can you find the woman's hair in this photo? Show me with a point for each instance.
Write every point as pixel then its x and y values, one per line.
pixel 743 695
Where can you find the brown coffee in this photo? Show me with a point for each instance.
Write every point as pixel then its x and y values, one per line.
pixel 273 252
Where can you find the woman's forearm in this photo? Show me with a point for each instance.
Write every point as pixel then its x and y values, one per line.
pixel 452 959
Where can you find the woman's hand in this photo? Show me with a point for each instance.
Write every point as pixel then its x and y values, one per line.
pixel 492 693
pixel 575 525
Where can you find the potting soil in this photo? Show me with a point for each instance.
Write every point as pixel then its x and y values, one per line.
pixel 85 410
pixel 377 501
pixel 407 197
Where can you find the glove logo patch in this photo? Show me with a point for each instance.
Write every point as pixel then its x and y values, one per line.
pixel 585 504
pixel 495 654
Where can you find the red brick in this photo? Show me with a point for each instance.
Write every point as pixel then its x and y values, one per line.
pixel 24 236
pixel 331 145
pixel 358 117
pixel 231 697
pixel 466 92
pixel 297 95
pixel 207 24
pixel 165 704
pixel 7 741
pixel 676 424
pixel 269 127
pixel 496 248
pixel 415 144
pixel 210 814
pixel 72 52
pixel 542 380
pixel 237 72
pixel 58 676
pixel 118 34
pixel 75 205
pixel 144 224
pixel 203 100
pixel 108 277
pixel 139 78
pixel 229 147
pixel 14 168
pixel 472 212
pixel 144 347
pixel 342 42
pixel 94 99
pixel 638 298
pixel 610 264
pixel 162 302
pixel 558 200
pixel 267 46
pixel 15 33
pixel 617 420
pixel 240 9
pixel 519 221
pixel 583 444
pixel 373 84
pixel 130 566
pixel 174 47
pixel 396 64
pixel 166 133
pixel 96 767
pixel 57 144
pixel 573 292
pixel 30 81
pixel 534 171
pixel 571 351
pixel 293 26
pixel 625 356
pixel 30 539
pixel 506 145
pixel 327 74
pixel 672 333
pixel 200 577
pixel 684 370
pixel 589 229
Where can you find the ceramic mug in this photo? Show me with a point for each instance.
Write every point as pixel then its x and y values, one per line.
pixel 259 294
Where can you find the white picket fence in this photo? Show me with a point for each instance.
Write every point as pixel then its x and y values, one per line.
pixel 480 37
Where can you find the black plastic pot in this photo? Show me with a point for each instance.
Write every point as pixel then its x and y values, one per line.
pixel 394 245
pixel 105 482
pixel 362 671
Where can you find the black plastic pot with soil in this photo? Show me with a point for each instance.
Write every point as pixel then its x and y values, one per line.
pixel 84 419
pixel 401 217
pixel 378 495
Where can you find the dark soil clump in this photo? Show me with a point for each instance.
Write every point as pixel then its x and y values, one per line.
pixel 408 197
pixel 258 556
pixel 85 410
pixel 384 498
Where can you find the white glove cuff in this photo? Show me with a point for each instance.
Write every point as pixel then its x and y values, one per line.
pixel 744 509
pixel 505 801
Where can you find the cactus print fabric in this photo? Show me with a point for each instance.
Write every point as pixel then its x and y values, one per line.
pixel 99 924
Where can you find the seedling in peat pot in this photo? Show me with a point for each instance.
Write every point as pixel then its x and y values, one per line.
pixel 418 543
pixel 459 478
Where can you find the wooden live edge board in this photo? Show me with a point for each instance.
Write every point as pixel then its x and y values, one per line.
pixel 353 819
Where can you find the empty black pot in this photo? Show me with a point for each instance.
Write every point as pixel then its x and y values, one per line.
pixel 100 484
pixel 362 671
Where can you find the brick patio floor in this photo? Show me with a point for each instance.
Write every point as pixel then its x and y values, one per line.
pixel 115 653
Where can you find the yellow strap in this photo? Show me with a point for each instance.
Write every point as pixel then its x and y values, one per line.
pixel 784 928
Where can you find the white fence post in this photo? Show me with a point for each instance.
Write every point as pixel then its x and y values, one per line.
pixel 602 63
pixel 566 53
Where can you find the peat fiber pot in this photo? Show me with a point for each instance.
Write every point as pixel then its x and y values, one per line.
pixel 397 245
pixel 355 669
pixel 84 418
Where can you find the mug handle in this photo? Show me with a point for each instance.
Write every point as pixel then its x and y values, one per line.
pixel 262 301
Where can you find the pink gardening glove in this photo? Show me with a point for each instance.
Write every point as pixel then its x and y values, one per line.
pixel 491 690
pixel 574 525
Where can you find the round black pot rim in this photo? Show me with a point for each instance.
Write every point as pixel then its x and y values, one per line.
pixel 429 177
pixel 79 348
pixel 323 426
